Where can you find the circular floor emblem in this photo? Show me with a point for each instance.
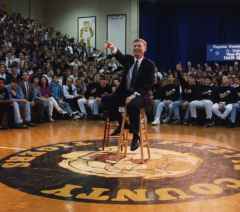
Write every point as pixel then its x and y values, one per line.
pixel 163 164
pixel 81 171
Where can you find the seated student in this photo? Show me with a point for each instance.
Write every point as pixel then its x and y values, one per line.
pixel 5 105
pixel 103 89
pixel 94 94
pixel 72 97
pixel 157 99
pixel 57 93
pixel 225 98
pixel 170 101
pixel 81 86
pixel 46 94
pixel 236 106
pixel 189 92
pixel 4 74
pixel 115 84
pixel 42 103
pixel 20 106
pixel 28 90
pixel 14 73
pixel 206 99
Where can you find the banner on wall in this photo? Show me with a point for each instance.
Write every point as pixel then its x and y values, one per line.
pixel 116 30
pixel 87 31
pixel 223 52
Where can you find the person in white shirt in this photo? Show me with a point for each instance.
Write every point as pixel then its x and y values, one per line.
pixel 10 59
pixel 4 75
pixel 73 98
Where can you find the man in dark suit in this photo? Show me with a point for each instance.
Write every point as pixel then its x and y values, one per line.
pixel 27 87
pixel 29 95
pixel 134 89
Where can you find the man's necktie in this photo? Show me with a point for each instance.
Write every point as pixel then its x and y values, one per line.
pixel 134 74
pixel 27 90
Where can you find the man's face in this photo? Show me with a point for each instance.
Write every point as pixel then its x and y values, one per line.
pixel 14 85
pixel 225 80
pixel 179 67
pixel 25 76
pixel 2 69
pixel 116 82
pixel 69 82
pixel 139 48
pixel 171 79
pixel 36 81
pixel 191 81
pixel 21 56
pixel 43 80
pixel 207 82
pixel 103 83
pixel 14 71
pixel 55 79
pixel 78 82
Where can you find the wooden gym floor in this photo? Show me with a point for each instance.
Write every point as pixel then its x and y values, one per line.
pixel 212 184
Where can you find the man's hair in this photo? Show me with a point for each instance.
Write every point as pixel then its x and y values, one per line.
pixel 24 72
pixel 140 40
pixel 102 77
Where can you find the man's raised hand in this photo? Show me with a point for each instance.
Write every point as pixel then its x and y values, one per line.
pixel 109 45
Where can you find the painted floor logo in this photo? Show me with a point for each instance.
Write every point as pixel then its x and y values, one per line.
pixel 81 171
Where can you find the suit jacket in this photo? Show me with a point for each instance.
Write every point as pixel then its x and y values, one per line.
pixel 145 77
pixel 7 79
pixel 19 92
pixel 31 95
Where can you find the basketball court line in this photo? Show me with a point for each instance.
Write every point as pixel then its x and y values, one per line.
pixel 12 148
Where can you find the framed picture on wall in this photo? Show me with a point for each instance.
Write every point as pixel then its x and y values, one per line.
pixel 117 30
pixel 87 31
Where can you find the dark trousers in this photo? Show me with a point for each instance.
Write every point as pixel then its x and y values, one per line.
pixel 5 113
pixel 73 103
pixel 39 111
pixel 112 103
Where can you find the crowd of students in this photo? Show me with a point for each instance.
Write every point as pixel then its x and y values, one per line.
pixel 214 90
pixel 45 74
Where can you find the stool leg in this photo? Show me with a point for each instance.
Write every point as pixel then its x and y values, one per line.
pixel 105 134
pixel 125 143
pixel 146 137
pixel 122 136
pixel 141 142
pixel 108 132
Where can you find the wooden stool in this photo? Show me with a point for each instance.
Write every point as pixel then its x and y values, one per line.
pixel 123 141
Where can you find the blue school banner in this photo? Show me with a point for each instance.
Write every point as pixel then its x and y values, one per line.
pixel 223 52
